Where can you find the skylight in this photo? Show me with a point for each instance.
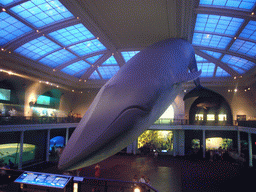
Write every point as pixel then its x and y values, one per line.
pixel 94 75
pixel 249 31
pixel 208 40
pixel 128 55
pixel 37 48
pixel 11 28
pixel 8 2
pixel 72 34
pixel 238 63
pixel 110 61
pixel 57 58
pixel 235 4
pixel 200 59
pixel 108 71
pixel 212 53
pixel 221 73
pixel 217 24
pixel 88 47
pixel 42 12
pixel 76 67
pixel 207 69
pixel 93 59
pixel 244 47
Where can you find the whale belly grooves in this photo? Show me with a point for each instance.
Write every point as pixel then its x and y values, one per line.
pixel 109 140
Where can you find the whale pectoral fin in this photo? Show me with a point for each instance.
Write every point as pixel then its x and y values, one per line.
pixel 189 77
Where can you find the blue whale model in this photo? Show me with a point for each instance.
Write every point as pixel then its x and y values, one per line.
pixel 130 102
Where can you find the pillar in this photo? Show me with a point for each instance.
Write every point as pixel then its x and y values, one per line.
pixel 175 147
pixel 204 144
pixel 67 136
pixel 250 149
pixel 47 145
pixel 21 149
pixel 238 143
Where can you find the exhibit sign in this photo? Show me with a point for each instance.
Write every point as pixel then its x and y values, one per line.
pixel 43 179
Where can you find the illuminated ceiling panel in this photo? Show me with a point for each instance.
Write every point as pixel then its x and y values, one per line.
pixel 42 12
pixel 212 53
pixel 93 59
pixel 88 47
pixel 235 4
pixel 207 69
pixel 200 59
pixel 208 40
pixel 37 48
pixel 8 2
pixel 11 28
pixel 94 75
pixel 217 24
pixel 128 55
pixel 108 71
pixel 72 34
pixel 237 63
pixel 76 67
pixel 221 73
pixel 57 58
pixel 80 73
pixel 110 61
pixel 249 31
pixel 244 47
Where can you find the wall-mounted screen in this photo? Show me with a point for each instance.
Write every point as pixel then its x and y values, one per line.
pixel 43 100
pixel 43 179
pixel 5 94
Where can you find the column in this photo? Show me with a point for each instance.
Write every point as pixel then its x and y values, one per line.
pixel 175 147
pixel 204 144
pixel 181 141
pixel 47 145
pixel 21 149
pixel 238 143
pixel 250 149
pixel 134 146
pixel 67 135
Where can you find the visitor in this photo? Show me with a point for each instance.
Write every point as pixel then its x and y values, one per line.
pixel 97 171
pixel 142 179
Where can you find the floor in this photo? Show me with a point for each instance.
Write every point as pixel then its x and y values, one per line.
pixel 174 174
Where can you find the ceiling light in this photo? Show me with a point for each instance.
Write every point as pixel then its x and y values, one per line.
pixel 234 77
pixel 249 88
pixel 73 90
pixel 37 31
pixel 245 90
pixel 77 18
pixel 54 69
pixel 235 90
pixel 2 49
pixel 98 38
pixel 229 90
pixel 3 9
pixel 84 80
pixel 234 37
pixel 252 13
pixel 185 91
pixel 80 80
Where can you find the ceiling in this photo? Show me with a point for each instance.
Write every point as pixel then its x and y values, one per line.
pixel 81 44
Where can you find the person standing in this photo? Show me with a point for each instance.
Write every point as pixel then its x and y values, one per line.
pixel 97 171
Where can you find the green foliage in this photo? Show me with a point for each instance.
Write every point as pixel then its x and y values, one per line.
pixel 159 140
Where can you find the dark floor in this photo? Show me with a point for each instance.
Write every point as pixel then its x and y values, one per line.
pixel 173 174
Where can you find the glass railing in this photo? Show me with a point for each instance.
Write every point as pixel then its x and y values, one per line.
pixel 16 120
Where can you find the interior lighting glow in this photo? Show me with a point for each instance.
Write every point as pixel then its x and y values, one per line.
pixel 235 90
pixel 136 190
pixel 3 9
pixel 252 13
pixel 249 88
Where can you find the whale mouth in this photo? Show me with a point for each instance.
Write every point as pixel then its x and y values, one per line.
pixel 103 147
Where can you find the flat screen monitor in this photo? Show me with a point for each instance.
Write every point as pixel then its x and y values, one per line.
pixel 5 94
pixel 43 179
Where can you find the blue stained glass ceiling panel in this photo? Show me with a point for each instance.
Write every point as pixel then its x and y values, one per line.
pixel 110 61
pixel 42 12
pixel 8 2
pixel 57 58
pixel 244 47
pixel 217 24
pixel 249 31
pixel 237 63
pixel 108 71
pixel 71 34
pixel 11 28
pixel 212 53
pixel 128 55
pixel 208 40
pixel 235 4
pixel 222 73
pixel 88 47
pixel 200 59
pixel 93 59
pixel 94 75
pixel 37 48
pixel 76 67
pixel 207 69
pixel 80 73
